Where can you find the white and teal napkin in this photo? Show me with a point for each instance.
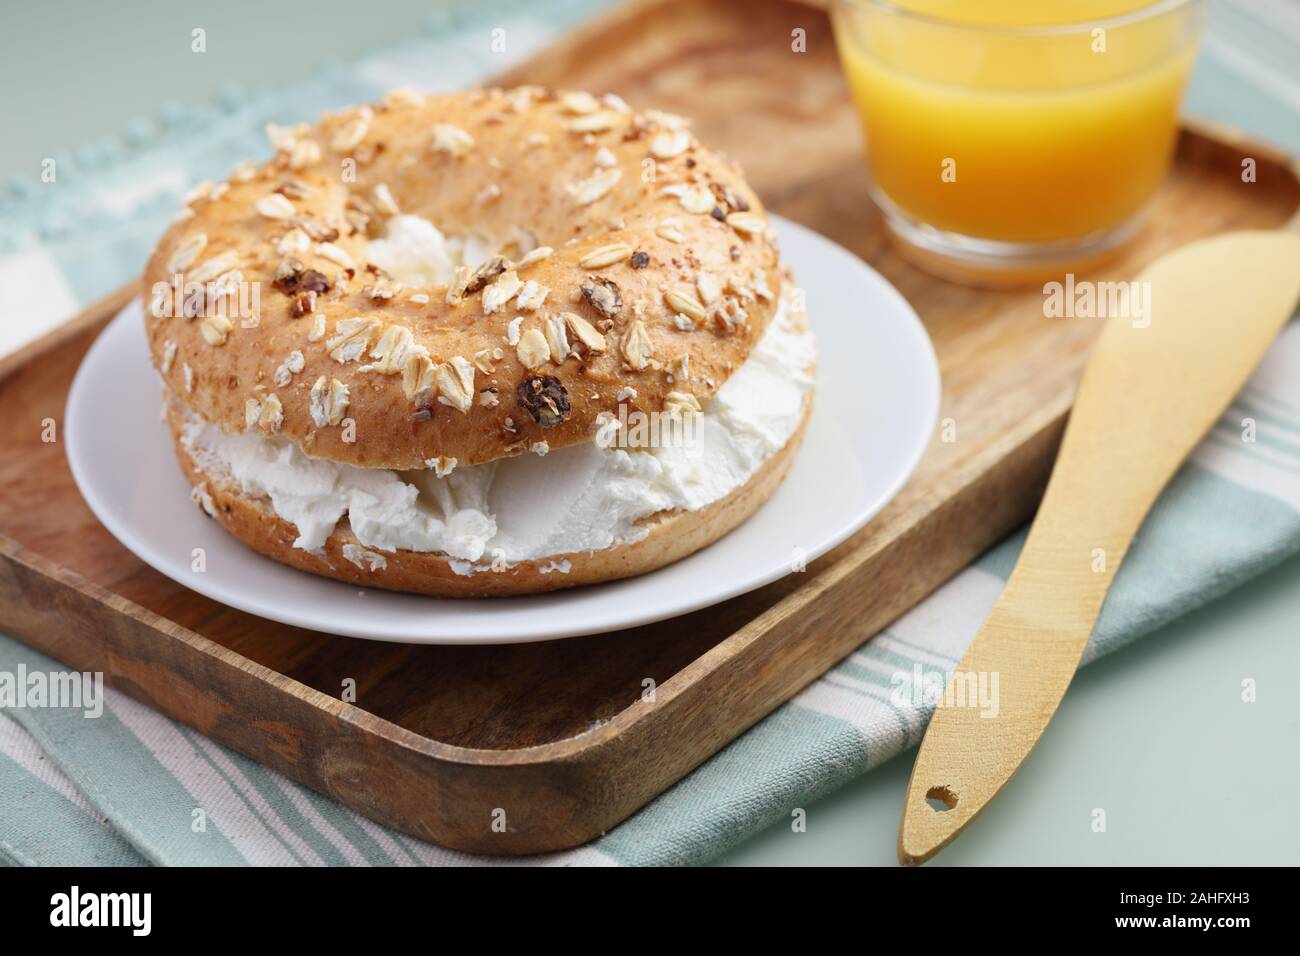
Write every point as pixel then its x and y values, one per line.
pixel 132 787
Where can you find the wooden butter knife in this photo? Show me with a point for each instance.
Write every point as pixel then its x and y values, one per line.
pixel 1152 388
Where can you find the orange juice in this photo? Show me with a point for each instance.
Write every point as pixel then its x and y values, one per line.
pixel 1017 121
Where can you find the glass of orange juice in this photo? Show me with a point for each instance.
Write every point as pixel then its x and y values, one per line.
pixel 1009 139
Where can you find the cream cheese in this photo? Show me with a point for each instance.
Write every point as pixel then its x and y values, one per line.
pixel 584 497
pixel 416 253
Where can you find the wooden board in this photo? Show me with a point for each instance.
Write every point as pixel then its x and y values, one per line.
pixel 556 734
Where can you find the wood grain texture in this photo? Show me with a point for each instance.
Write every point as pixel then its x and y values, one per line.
pixel 557 733
pixel 1154 385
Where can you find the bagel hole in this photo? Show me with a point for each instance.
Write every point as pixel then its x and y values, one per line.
pixel 416 252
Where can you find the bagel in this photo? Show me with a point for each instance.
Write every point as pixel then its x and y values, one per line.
pixel 423 346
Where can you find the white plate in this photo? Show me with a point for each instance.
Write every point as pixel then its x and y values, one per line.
pixel 876 404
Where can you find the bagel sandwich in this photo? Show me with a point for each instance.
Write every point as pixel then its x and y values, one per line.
pixel 480 344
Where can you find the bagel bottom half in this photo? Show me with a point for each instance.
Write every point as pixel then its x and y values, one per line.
pixel 670 536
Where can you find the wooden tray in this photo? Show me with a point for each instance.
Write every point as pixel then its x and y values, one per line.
pixel 556 733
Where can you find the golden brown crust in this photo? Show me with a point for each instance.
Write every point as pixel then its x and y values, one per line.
pixel 526 169
pixel 670 537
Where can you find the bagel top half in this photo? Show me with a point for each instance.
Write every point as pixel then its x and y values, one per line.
pixel 633 262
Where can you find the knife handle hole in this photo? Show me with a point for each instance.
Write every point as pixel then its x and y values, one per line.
pixel 941 799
